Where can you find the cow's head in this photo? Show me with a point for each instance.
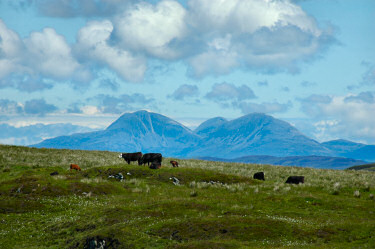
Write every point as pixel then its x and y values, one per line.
pixel 120 156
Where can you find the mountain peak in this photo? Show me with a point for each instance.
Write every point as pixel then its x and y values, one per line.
pixel 210 125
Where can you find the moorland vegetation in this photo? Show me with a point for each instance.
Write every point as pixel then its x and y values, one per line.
pixel 214 204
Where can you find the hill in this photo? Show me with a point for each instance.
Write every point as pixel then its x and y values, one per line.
pixel 369 166
pixel 319 162
pixel 215 204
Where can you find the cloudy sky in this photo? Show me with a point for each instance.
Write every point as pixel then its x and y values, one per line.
pixel 82 63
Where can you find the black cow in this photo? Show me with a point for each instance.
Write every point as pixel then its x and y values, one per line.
pixel 259 176
pixel 295 179
pixel 129 157
pixel 155 165
pixel 150 158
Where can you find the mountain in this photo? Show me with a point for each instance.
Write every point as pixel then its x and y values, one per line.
pixel 322 162
pixel 209 126
pixel 139 131
pixel 350 149
pixel 254 134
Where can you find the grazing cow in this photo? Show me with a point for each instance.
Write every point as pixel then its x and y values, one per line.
pixel 174 163
pixel 295 179
pixel 150 158
pixel 74 166
pixel 129 157
pixel 259 176
pixel 155 165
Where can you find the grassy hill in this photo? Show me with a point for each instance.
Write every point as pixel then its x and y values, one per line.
pixel 216 204
pixel 369 167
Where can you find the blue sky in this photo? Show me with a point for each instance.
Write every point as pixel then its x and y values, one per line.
pixel 84 63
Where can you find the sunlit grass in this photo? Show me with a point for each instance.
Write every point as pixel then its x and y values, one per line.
pixel 215 204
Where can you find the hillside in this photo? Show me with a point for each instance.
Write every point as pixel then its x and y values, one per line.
pixel 369 166
pixel 215 205
pixel 319 162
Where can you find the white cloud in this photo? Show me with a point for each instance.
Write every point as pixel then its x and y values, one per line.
pixel 50 55
pixel 247 16
pixel 43 53
pixel 210 36
pixel 225 91
pixel 265 107
pixel 184 91
pixel 92 43
pixel 350 117
pixel 151 28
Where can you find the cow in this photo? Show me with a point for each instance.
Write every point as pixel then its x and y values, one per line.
pixel 259 176
pixel 150 158
pixel 295 179
pixel 129 157
pixel 174 163
pixel 74 166
pixel 155 165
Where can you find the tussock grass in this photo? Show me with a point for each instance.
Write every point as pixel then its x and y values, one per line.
pixel 215 205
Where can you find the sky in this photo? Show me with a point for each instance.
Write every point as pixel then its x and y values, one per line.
pixel 72 66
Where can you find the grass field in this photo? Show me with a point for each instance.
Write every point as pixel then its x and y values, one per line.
pixel 216 205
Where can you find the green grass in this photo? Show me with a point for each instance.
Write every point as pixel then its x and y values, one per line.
pixel 369 167
pixel 146 210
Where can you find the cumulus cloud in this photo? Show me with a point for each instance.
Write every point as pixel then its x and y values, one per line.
pixel 33 107
pixel 10 107
pixel 265 107
pixel 104 103
pixel 266 36
pixel 152 28
pixel 226 91
pixel 93 44
pixel 38 106
pixel 25 83
pixel 210 36
pixel 231 96
pixel 44 54
pixel 347 117
pixel 184 91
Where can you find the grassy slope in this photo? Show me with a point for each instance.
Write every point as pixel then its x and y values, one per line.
pixel 73 209
pixel 370 167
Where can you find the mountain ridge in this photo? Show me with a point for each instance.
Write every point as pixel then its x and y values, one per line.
pixel 252 134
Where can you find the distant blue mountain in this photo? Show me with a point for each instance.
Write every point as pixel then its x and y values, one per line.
pixel 254 134
pixel 250 135
pixel 350 149
pixel 139 131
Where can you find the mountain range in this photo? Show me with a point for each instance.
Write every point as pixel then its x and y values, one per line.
pixel 253 134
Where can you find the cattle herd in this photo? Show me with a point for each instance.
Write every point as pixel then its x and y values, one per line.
pixel 155 160
pixel 150 158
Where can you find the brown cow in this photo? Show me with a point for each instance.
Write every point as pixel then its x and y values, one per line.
pixel 74 166
pixel 174 163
